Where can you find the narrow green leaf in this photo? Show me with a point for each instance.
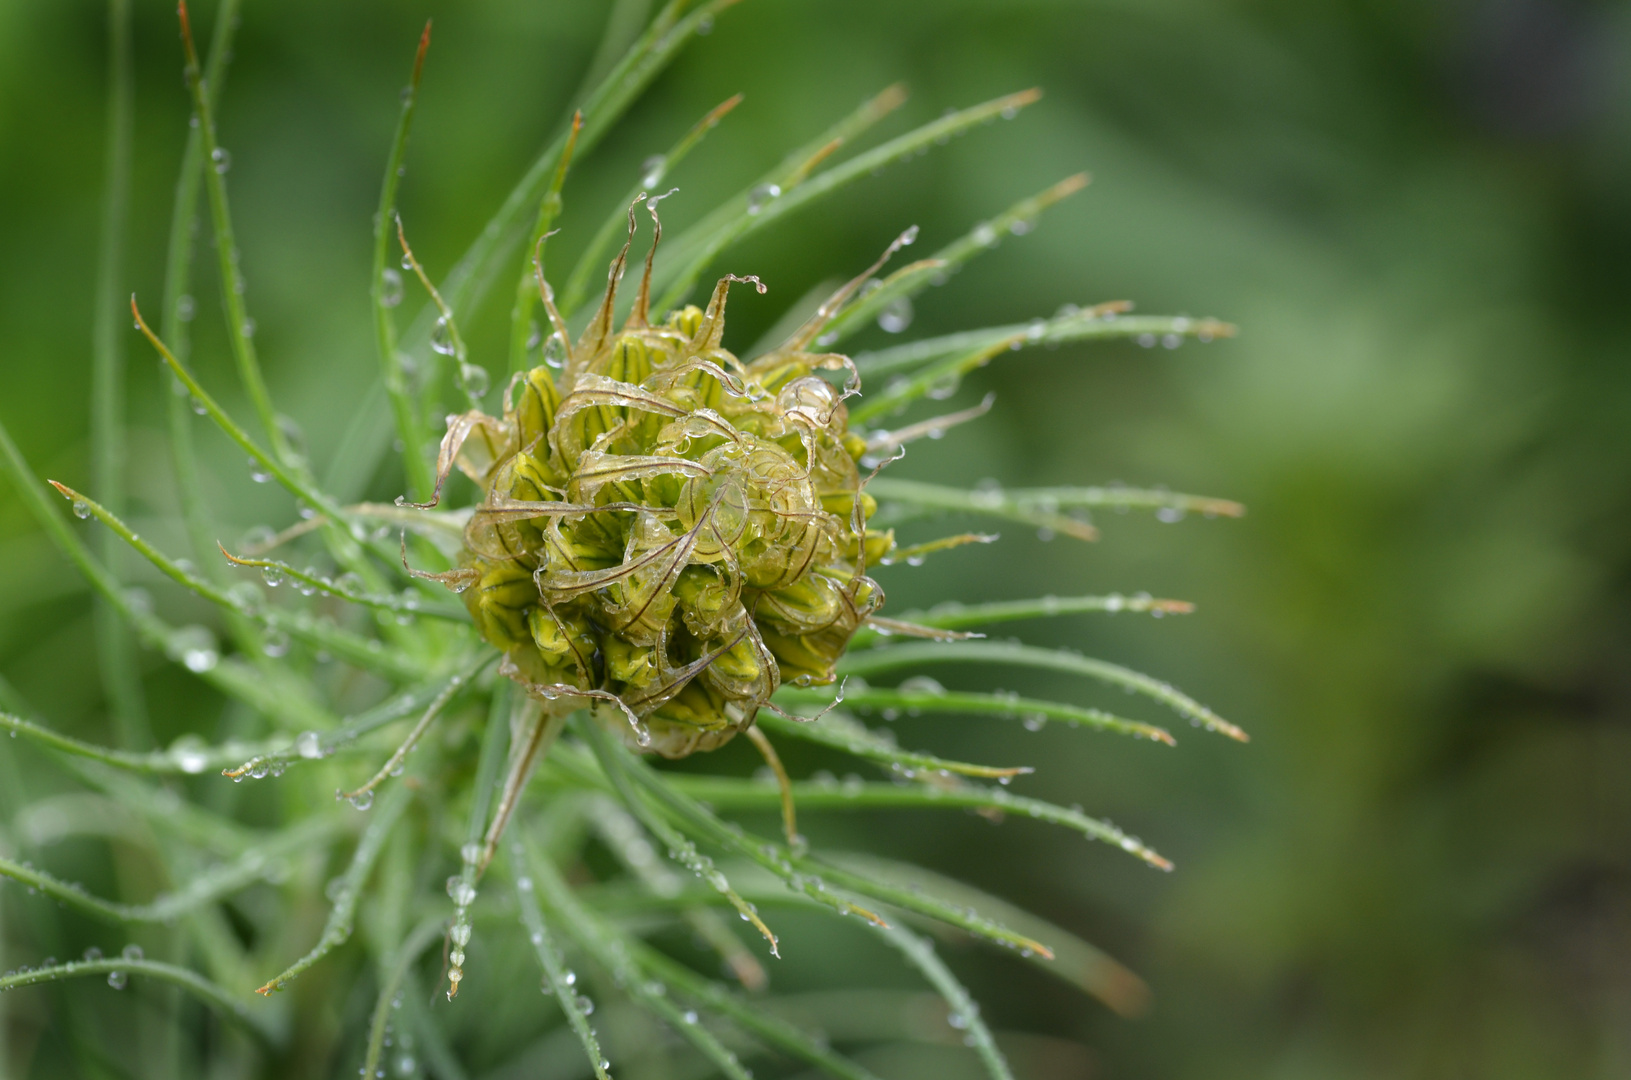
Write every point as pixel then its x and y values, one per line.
pixel 417 941
pixel 620 769
pixel 748 213
pixel 1042 506
pixel 926 696
pixel 364 652
pixel 1074 960
pixel 338 928
pixel 562 981
pixel 955 616
pixel 183 757
pixel 911 280
pixel 315 745
pixel 240 330
pixel 729 794
pixel 895 657
pixel 750 1015
pixel 386 293
pixel 612 951
pixel 965 1013
pixel 1102 322
pixel 936 379
pixel 253 865
pixel 849 735
pixel 116 969
pixel 654 171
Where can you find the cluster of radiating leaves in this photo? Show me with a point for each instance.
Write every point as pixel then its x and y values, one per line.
pixel 717 545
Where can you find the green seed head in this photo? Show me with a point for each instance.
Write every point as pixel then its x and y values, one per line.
pixel 668 532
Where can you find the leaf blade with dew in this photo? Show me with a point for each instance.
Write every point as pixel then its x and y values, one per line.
pixel 178 304
pixel 253 865
pixel 1003 652
pixel 964 1013
pixel 913 554
pixel 208 992
pixel 1074 960
pixel 840 732
pixel 470 277
pixel 626 839
pixel 410 602
pixel 1042 505
pixel 337 930
pixel 227 675
pixel 911 280
pixel 121 680
pixel 954 616
pixel 698 245
pixel 734 794
pixel 526 291
pixel 391 979
pixel 805 190
pixel 883 443
pixel 393 765
pixel 611 950
pixel 918 699
pixel 770 1029
pixel 183 759
pixel 363 652
pixel 239 332
pixel 803 874
pixel 561 979
pixel 923 497
pixel 619 773
pixel 1101 322
pixel 935 379
pixel 312 745
pixel 605 238
pixel 385 295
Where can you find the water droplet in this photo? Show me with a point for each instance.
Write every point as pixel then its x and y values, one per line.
pixel 896 315
pixel 258 472
pixel 441 338
pixel 194 647
pixel 554 352
pixel 705 25
pixel 363 800
pixel 690 1016
pixel 585 1006
pixel 922 684
pixel 118 980
pixel 186 308
pixel 652 169
pixel 275 644
pixel 944 387
pixel 222 159
pixel 309 745
pixel 475 379
pixel 535 335
pixel 1170 514
pixel 190 754
pixel 1146 340
pixel 273 575
pixel 1171 341
pixel 81 509
pixel 131 952
pixel 761 196
pixel 248 327
pixel 390 288
pixel 984 235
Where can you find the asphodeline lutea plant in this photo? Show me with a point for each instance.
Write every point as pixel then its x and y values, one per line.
pixel 670 545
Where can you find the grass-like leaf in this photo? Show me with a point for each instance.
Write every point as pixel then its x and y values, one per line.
pixel 849 735
pixel 728 794
pixel 117 969
pixel 337 930
pixel 926 696
pixel 1101 322
pixel 915 654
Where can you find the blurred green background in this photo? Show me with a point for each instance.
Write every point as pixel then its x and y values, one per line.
pixel 1416 212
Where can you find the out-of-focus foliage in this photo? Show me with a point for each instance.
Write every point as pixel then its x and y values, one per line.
pixel 1417 214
